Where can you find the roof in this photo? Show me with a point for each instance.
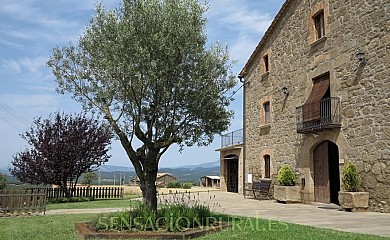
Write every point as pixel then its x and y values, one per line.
pixel 212 177
pixel 267 34
pixel 164 174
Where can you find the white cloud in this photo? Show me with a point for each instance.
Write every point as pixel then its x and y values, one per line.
pixel 27 11
pixel 242 48
pixel 23 65
pixel 29 101
pixel 12 67
pixel 239 17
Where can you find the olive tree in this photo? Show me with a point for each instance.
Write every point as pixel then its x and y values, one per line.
pixel 147 68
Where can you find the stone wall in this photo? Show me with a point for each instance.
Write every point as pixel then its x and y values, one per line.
pixel 295 59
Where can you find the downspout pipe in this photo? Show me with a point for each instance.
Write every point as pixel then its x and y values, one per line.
pixel 242 80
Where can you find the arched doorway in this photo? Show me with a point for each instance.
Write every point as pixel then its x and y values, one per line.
pixel 232 173
pixel 326 172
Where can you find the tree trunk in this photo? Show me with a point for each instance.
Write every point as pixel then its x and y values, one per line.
pixel 66 190
pixel 149 194
pixel 148 181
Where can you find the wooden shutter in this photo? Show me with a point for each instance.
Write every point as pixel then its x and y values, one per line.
pixel 311 108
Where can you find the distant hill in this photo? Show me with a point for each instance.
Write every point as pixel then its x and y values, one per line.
pixel 4 171
pixel 183 174
pixel 190 173
pixel 203 165
pixel 112 168
pixel 194 175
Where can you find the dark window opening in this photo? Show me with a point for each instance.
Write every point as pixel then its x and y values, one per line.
pixel 267 112
pixel 319 24
pixel 266 63
pixel 267 166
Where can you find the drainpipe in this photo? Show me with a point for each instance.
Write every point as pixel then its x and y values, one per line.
pixel 242 80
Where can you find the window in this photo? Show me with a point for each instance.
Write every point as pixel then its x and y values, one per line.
pixel 266 63
pixel 267 112
pixel 312 107
pixel 319 24
pixel 267 166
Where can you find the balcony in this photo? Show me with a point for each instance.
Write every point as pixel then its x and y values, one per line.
pixel 232 138
pixel 319 116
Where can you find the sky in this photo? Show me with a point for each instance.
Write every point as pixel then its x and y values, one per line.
pixel 30 29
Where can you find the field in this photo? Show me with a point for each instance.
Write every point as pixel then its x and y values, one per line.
pixel 62 227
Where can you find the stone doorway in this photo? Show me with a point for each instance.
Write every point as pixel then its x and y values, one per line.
pixel 326 172
pixel 232 173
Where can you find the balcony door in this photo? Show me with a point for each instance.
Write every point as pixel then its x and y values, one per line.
pixel 312 109
pixel 326 172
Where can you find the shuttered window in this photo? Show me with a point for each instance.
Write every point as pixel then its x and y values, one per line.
pixel 311 108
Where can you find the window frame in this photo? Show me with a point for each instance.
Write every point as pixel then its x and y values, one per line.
pixel 319 24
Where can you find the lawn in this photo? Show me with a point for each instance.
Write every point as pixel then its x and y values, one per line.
pixel 62 227
pixel 109 203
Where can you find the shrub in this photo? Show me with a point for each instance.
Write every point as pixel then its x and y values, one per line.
pixel 89 177
pixel 186 185
pixel 3 181
pixel 177 212
pixel 286 176
pixel 350 178
pixel 172 218
pixel 71 199
pixel 173 185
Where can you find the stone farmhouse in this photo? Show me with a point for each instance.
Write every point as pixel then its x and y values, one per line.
pixel 317 96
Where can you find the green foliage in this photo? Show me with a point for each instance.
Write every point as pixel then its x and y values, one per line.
pixel 71 199
pixel 350 178
pixel 3 181
pixel 89 177
pixel 186 185
pixel 286 176
pixel 174 184
pixel 97 203
pixel 180 216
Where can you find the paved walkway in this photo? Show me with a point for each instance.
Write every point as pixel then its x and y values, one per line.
pixel 322 216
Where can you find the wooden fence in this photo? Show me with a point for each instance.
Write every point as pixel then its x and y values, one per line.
pixel 93 192
pixel 15 201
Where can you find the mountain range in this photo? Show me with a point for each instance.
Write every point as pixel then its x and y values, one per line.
pixel 113 168
pixel 183 173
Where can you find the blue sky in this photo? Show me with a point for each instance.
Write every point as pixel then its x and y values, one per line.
pixel 29 29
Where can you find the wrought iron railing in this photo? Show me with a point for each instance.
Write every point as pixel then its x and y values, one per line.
pixel 319 116
pixel 235 137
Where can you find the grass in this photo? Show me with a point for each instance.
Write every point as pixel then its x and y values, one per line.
pixel 41 227
pixel 62 227
pixel 109 203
